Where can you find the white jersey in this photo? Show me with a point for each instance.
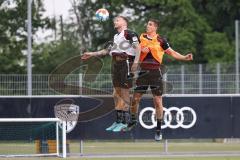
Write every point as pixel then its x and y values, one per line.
pixel 122 43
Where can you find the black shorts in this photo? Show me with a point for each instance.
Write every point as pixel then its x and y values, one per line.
pixel 152 79
pixel 120 74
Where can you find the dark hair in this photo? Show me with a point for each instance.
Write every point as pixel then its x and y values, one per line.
pixel 155 21
pixel 124 18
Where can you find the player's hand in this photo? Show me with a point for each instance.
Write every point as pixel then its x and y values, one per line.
pixel 86 55
pixel 145 50
pixel 189 57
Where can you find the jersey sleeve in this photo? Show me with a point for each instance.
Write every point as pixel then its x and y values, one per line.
pixel 131 36
pixel 164 43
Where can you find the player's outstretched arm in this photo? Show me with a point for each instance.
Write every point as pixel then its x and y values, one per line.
pixel 87 55
pixel 178 56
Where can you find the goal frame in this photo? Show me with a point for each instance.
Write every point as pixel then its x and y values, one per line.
pixel 57 120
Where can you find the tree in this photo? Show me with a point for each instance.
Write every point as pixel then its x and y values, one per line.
pixel 179 23
pixel 13 37
pixel 47 56
pixel 84 34
pixel 217 48
pixel 189 26
pixel 220 15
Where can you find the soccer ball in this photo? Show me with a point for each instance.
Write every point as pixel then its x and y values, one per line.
pixel 102 14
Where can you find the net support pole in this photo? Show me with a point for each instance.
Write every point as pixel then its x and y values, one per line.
pixel 200 79
pixel 218 78
pixel 29 48
pixel 237 54
pixel 57 138
pixel 182 79
pixel 165 146
pixel 64 143
pixel 165 84
pixel 80 83
pixel 81 147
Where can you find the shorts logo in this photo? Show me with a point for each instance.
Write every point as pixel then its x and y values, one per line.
pixel 184 118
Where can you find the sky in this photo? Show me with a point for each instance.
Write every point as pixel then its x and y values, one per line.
pixel 57 7
pixel 53 8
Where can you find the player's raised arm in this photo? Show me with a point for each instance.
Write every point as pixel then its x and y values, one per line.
pixel 102 52
pixel 179 56
pixel 87 55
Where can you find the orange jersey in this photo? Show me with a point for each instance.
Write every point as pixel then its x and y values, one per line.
pixel 156 45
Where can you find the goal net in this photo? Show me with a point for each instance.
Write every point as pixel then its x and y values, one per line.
pixel 32 137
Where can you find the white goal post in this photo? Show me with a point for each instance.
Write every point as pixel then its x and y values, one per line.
pixel 32 124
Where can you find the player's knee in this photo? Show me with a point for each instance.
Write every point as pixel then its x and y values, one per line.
pixel 157 101
pixel 115 94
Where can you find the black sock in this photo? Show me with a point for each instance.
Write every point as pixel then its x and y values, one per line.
pixel 124 117
pixel 119 116
pixel 133 118
pixel 159 123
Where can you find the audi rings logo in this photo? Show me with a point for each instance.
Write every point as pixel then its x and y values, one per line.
pixel 173 118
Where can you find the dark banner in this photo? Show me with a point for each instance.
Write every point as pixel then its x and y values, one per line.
pixel 88 117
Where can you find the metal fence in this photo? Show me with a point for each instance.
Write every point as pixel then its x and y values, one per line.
pixel 185 79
